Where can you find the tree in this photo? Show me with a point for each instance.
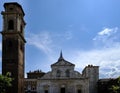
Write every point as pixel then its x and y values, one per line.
pixel 5 81
pixel 116 87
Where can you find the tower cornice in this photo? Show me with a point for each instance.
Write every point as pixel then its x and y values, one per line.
pixel 13 33
pixel 14 3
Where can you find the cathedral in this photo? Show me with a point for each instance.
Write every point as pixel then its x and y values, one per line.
pixel 63 78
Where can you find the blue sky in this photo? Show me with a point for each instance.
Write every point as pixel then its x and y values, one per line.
pixel 87 31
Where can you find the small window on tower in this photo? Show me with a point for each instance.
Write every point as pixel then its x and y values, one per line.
pixel 10 43
pixel 21 46
pixel 21 28
pixel 11 8
pixel 10 25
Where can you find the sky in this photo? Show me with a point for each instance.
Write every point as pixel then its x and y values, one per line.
pixel 86 31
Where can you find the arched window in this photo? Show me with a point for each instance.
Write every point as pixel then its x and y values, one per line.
pixel 58 73
pixel 67 73
pixel 10 25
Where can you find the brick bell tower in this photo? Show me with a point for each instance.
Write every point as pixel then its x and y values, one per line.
pixel 13 45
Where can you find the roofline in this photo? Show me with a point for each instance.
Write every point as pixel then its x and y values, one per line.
pixel 54 64
pixel 15 3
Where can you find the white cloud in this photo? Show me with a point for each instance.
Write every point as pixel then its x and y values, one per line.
pixel 42 41
pixel 46 41
pixel 108 31
pixel 106 54
pixel 108 37
pixel 107 58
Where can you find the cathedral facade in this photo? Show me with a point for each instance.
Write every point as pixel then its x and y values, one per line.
pixel 64 79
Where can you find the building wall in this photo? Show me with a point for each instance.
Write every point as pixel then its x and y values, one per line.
pixel 55 86
pixel 30 85
pixel 92 72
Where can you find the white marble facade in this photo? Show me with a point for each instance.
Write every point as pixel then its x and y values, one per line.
pixel 64 79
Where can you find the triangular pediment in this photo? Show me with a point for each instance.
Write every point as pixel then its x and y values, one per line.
pixel 62 62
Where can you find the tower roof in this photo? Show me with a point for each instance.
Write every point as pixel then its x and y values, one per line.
pixel 14 3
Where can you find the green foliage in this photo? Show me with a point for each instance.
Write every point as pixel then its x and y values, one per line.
pixel 5 81
pixel 116 87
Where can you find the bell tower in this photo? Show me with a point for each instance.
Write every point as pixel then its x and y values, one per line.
pixel 13 45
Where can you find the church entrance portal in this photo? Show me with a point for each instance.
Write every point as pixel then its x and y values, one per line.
pixel 79 91
pixel 62 90
pixel 46 91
